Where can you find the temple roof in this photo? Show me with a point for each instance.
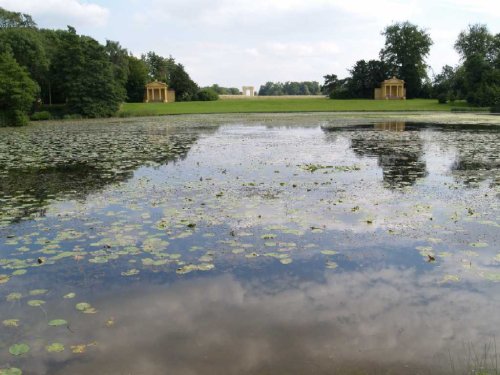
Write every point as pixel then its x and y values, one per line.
pixel 394 80
pixel 156 85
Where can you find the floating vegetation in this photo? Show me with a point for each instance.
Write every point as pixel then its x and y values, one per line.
pixel 85 308
pixel 55 347
pixel 19 349
pixel 58 322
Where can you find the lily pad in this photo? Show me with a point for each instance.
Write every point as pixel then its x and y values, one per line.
pixel 55 347
pixel 11 371
pixel 36 302
pixel 58 322
pixel 329 252
pixel 14 297
pixel 19 349
pixel 38 292
pixel 11 323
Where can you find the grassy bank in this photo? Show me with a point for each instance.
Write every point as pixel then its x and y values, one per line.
pixel 278 105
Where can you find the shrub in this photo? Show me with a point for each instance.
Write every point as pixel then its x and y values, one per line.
pixel 207 95
pixel 41 116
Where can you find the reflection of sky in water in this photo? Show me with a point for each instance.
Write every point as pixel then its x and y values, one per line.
pixel 313 246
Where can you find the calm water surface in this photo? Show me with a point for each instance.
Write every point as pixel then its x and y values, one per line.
pixel 187 246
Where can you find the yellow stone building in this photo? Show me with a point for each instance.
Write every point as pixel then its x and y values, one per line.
pixel 158 92
pixel 391 89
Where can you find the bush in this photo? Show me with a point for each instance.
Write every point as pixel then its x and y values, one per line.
pixel 41 116
pixel 207 95
pixel 442 98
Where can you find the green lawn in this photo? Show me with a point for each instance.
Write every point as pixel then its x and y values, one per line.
pixel 277 105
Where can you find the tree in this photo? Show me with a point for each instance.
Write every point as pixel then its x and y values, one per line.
pixel 331 83
pixel 480 52
pixel 14 19
pixel 185 88
pixel 137 79
pixel 27 48
pixel 85 76
pixel 17 92
pixel 365 77
pixel 120 60
pixel 405 50
pixel 159 67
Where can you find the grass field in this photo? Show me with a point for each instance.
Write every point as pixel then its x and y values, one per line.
pixel 282 105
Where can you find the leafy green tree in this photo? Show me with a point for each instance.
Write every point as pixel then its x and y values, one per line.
pixel 159 67
pixel 365 77
pixel 15 19
pixel 28 49
pixel 331 83
pixel 405 50
pixel 17 92
pixel 137 79
pixel 179 80
pixel 120 59
pixel 86 77
pixel 480 53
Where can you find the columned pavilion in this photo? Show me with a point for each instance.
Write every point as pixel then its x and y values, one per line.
pixel 392 88
pixel 157 92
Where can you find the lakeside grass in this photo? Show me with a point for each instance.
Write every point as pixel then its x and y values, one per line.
pixel 285 105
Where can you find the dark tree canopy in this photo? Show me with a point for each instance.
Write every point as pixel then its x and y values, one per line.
pixel 405 50
pixel 17 92
pixel 365 77
pixel 86 76
pixel 137 79
pixel 480 53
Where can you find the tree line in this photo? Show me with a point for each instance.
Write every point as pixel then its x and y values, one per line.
pixel 476 79
pixel 74 75
pixel 290 88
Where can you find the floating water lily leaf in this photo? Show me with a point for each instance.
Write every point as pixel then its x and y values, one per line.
pixel 38 292
pixel 79 349
pixel 286 261
pixel 329 252
pixel 83 306
pixel 55 347
pixel 451 278
pixel 70 295
pixel 11 371
pixel 479 244
pixel 19 349
pixel 331 265
pixel 58 322
pixel 14 297
pixel 19 272
pixel 36 302
pixel 131 272
pixel 206 267
pixel 4 279
pixel 11 323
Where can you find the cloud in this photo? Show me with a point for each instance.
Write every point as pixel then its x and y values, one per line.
pixel 58 13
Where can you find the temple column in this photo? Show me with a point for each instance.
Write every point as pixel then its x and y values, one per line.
pixel 147 95
pixel 165 95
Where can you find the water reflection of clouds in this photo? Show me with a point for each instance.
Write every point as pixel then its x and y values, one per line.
pixel 390 318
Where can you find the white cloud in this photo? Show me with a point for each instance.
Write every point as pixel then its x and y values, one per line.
pixel 58 13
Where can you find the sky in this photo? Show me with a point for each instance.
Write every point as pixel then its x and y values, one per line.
pixel 249 42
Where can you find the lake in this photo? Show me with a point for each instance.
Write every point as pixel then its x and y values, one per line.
pixel 266 244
